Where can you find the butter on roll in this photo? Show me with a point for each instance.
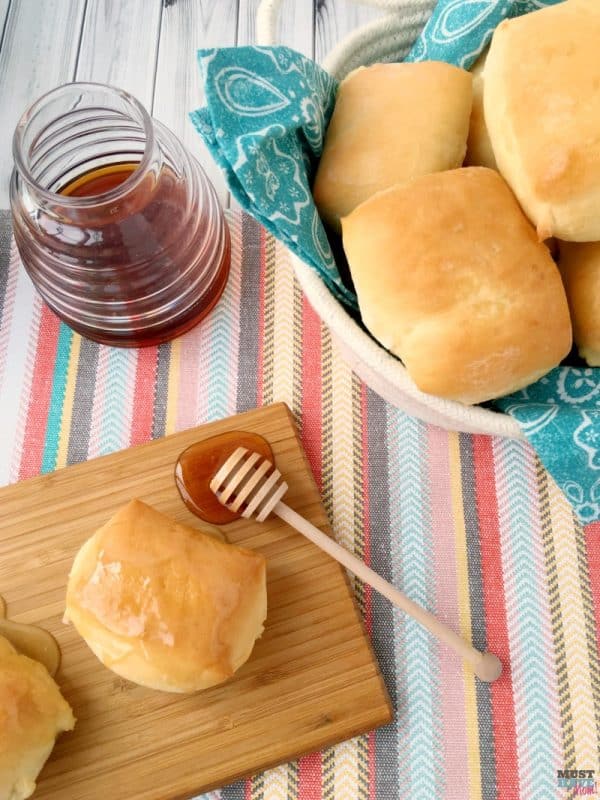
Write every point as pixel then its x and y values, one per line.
pixel 164 605
pixel 32 714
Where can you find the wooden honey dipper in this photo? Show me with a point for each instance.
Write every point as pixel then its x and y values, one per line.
pixel 250 485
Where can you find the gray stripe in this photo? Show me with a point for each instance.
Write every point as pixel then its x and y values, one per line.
pixel 484 702
pixel 5 235
pixel 386 754
pixel 247 394
pixel 235 791
pixel 161 390
pixel 83 401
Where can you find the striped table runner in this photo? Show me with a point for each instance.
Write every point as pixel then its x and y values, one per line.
pixel 469 526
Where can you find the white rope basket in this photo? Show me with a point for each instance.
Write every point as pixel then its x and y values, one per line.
pixel 386 39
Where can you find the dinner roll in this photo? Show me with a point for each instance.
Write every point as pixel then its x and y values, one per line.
pixel 32 714
pixel 451 278
pixel 542 109
pixel 580 268
pixel 163 604
pixel 391 122
pixel 479 146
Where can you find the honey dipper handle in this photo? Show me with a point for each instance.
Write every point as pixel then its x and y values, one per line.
pixel 486 666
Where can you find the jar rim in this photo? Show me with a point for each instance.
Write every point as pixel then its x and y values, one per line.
pixel 20 157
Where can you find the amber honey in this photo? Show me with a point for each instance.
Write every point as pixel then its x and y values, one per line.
pixel 100 180
pixel 130 250
pixel 198 464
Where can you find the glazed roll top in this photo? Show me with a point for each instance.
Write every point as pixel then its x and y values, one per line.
pixel 32 714
pixel 163 604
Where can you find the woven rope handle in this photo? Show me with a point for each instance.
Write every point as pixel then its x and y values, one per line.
pixel 388 38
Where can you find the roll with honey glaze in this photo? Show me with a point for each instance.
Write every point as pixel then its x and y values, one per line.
pixel 164 605
pixel 32 714
pixel 391 122
pixel 451 278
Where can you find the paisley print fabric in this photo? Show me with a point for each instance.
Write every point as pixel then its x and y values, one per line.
pixel 560 415
pixel 266 114
pixel 264 121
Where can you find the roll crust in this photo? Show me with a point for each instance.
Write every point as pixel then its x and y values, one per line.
pixel 542 110
pixel 163 604
pixel 479 146
pixel 451 278
pixel 580 269
pixel 391 122
pixel 32 714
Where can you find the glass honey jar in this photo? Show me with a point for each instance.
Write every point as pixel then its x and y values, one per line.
pixel 116 223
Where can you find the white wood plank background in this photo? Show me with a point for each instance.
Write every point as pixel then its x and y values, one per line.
pixel 146 47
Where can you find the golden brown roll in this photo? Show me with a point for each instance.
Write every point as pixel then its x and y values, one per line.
pixel 542 110
pixel 391 122
pixel 451 278
pixel 32 714
pixel 580 268
pixel 163 604
pixel 479 147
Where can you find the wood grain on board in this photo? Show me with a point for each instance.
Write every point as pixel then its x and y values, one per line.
pixel 311 681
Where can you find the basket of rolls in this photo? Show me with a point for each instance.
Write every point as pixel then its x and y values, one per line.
pixel 458 185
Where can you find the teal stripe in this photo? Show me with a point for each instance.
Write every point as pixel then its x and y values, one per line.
pixel 524 609
pixel 116 424
pixel 419 734
pixel 57 397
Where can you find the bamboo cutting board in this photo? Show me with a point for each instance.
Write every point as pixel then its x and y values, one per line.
pixel 311 681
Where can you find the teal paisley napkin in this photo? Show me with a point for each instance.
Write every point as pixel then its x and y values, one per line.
pixel 459 30
pixel 560 415
pixel 266 113
pixel 264 121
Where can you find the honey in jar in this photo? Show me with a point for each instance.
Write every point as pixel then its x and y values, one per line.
pixel 117 225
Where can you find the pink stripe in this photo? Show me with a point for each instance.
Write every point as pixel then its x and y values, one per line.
pixel 143 395
pixel 310 777
pixel 366 506
pixel 451 685
pixel 192 395
pixel 372 765
pixel 312 393
pixel 592 540
pixel 40 394
pixel 503 712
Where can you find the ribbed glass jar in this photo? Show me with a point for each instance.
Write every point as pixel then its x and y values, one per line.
pixel 117 225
